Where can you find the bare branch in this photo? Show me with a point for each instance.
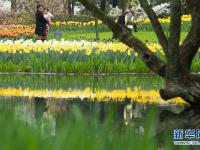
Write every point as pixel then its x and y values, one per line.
pixel 191 44
pixel 148 57
pixel 156 24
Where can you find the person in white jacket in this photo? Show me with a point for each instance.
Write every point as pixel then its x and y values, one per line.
pixel 130 23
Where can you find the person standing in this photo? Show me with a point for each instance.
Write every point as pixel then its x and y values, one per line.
pixel 41 23
pixel 130 23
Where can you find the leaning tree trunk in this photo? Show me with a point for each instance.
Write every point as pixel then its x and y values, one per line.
pixel 176 71
pixel 123 4
pixel 13 4
pixel 65 7
pixel 114 3
pixel 73 5
pixel 70 7
pixel 96 29
pixel 103 5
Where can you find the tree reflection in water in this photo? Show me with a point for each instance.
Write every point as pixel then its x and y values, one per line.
pixel 189 118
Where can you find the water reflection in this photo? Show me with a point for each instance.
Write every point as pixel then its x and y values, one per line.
pixel 140 88
pixel 46 103
pixel 44 118
pixel 46 114
pixel 53 82
pixel 189 118
pixel 137 94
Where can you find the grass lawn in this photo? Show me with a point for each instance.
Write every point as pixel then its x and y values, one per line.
pixel 144 36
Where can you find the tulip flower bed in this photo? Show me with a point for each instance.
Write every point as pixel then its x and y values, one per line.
pixel 143 25
pixel 79 57
pixel 67 57
pixel 18 31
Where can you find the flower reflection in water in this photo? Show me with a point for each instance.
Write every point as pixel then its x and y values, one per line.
pixel 136 94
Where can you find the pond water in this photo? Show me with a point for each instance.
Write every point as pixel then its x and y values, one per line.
pixel 131 99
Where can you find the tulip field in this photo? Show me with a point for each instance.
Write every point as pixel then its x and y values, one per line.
pixel 67 57
pixel 77 57
pixel 71 48
pixel 12 30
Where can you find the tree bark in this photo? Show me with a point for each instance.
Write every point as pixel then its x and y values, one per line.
pixel 73 5
pixel 179 81
pixel 13 4
pixel 70 8
pixel 96 29
pixel 114 3
pixel 191 43
pixel 123 5
pixel 173 67
pixel 65 7
pixel 103 5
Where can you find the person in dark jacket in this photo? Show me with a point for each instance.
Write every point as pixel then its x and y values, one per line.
pixel 41 24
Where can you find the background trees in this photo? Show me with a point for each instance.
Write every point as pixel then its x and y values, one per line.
pixel 13 4
pixel 55 6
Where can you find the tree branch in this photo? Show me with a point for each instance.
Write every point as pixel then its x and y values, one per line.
pixel 175 25
pixel 103 5
pixel 174 39
pixel 191 44
pixel 156 24
pixel 148 57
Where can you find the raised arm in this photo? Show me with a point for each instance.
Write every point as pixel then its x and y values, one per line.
pixel 51 15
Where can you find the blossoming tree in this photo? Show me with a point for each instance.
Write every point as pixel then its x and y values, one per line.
pixel 180 82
